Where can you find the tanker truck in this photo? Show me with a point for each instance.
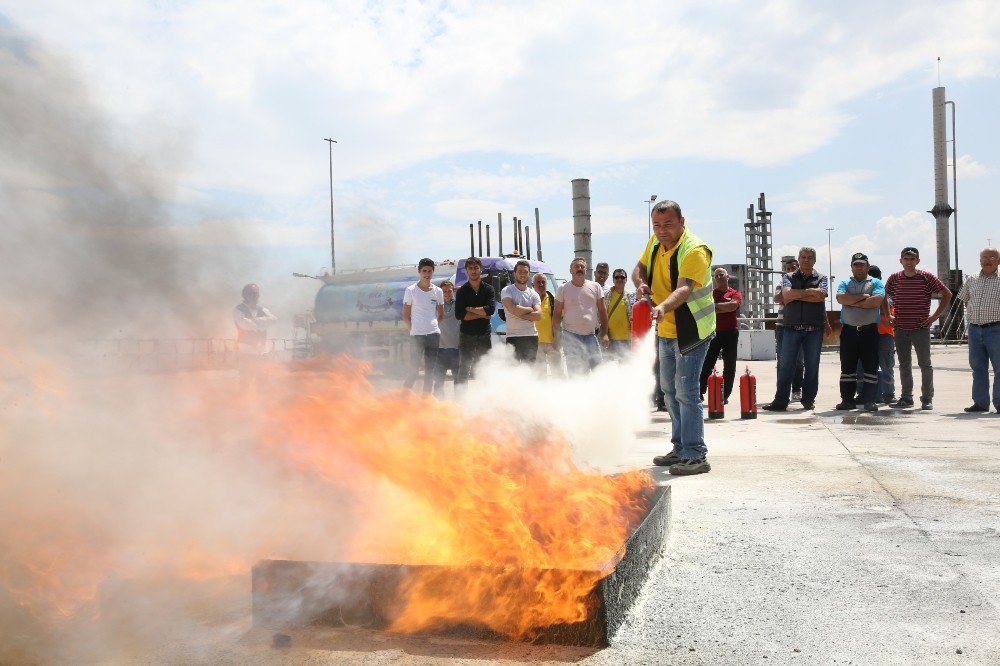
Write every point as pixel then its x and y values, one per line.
pixel 359 312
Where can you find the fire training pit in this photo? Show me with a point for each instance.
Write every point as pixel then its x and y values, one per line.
pixel 288 593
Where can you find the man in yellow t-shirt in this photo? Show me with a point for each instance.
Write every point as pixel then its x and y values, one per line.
pixel 549 358
pixel 619 307
pixel 679 372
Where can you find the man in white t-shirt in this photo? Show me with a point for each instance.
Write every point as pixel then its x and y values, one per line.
pixel 522 307
pixel 579 312
pixel 423 308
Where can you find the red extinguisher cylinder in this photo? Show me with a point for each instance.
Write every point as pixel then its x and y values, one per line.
pixel 748 395
pixel 642 320
pixel 716 402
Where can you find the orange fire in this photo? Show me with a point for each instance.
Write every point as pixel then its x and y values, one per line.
pixel 451 488
pixel 429 482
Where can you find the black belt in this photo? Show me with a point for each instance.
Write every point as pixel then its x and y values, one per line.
pixel 992 323
pixel 858 328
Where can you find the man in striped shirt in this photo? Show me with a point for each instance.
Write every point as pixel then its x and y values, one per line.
pixel 910 290
pixel 981 295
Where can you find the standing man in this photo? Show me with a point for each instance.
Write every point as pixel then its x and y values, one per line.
pixel 911 290
pixel 861 297
pixel 981 295
pixel 619 307
pixel 676 269
pixel 423 308
pixel 579 311
pixel 727 333
pixel 601 272
pixel 885 391
pixel 448 351
pixel 791 266
pixel 523 307
pixel 252 322
pixel 549 358
pixel 475 303
pixel 804 318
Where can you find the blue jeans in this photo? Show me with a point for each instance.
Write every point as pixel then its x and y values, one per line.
pixel 810 342
pixel 583 352
pixel 779 332
pixel 679 380
pixel 984 350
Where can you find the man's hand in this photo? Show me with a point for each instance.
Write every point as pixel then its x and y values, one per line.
pixel 658 314
pixel 642 290
pixel 605 341
pixel 930 320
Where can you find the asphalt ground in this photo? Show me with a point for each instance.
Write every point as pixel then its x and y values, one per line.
pixel 818 537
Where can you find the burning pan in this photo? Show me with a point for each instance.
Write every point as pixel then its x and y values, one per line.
pixel 288 593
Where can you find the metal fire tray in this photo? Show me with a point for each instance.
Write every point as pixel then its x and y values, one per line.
pixel 289 593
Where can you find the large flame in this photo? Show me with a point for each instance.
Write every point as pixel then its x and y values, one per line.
pixel 483 495
pixel 489 494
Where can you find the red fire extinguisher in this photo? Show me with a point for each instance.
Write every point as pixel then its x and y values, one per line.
pixel 716 404
pixel 748 395
pixel 642 319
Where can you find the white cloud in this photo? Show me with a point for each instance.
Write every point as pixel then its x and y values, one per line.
pixel 969 169
pixel 821 194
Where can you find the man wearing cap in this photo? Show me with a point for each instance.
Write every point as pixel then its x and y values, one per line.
pixel 981 295
pixel 910 290
pixel 861 299
pixel 886 389
pixel 804 317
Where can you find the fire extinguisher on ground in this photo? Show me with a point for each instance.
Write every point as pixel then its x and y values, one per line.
pixel 748 395
pixel 716 403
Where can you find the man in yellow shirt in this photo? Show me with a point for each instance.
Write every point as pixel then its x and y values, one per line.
pixel 549 358
pixel 675 268
pixel 619 307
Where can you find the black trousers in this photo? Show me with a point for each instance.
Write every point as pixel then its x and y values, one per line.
pixel 724 343
pixel 525 348
pixel 470 349
pixel 858 345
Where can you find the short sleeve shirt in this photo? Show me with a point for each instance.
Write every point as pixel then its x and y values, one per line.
pixel 580 306
pixel 694 268
pixel 727 321
pixel 423 308
pixel 852 315
pixel 911 296
pixel 981 295
pixel 516 327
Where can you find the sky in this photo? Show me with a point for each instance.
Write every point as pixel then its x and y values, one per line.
pixel 447 113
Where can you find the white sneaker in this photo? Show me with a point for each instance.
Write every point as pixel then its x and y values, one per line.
pixel 796 396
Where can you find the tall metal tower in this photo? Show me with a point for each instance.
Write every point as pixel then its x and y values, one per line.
pixel 758 240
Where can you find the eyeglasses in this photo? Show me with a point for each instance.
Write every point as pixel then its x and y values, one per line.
pixel 619 277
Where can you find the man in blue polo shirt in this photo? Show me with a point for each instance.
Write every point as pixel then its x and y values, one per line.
pixel 861 298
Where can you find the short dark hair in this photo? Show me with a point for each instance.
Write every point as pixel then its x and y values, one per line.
pixel 426 262
pixel 665 205
pixel 524 263
pixel 623 272
pixel 473 261
pixel 447 283
pixel 602 264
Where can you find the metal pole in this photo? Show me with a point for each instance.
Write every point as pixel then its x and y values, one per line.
pixel 333 246
pixel 649 214
pixel 487 240
pixel 472 240
pixel 829 252
pixel 480 239
pixel 954 180
pixel 527 241
pixel 538 235
pixel 500 234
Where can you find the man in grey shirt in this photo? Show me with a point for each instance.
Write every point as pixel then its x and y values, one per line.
pixel 522 308
pixel 448 350
pixel 861 299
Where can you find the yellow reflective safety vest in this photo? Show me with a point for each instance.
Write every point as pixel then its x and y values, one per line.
pixel 695 319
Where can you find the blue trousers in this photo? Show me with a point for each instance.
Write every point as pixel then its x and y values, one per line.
pixel 810 343
pixel 679 375
pixel 984 350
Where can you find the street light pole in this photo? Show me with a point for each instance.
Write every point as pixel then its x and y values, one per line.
pixel 649 213
pixel 829 253
pixel 333 245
